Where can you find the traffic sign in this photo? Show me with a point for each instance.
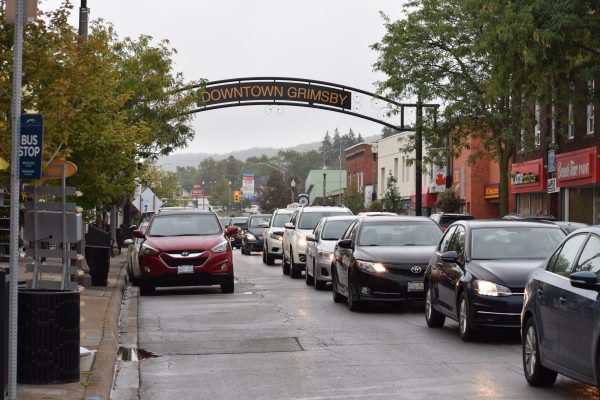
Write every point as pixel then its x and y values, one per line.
pixel 30 146
pixel 236 196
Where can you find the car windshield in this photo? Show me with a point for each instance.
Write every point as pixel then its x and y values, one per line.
pixel 309 220
pixel 333 230
pixel 256 222
pixel 184 225
pixel 514 243
pixel 281 219
pixel 399 233
pixel 241 222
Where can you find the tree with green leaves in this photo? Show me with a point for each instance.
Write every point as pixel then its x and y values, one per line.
pixel 392 201
pixel 274 194
pixel 354 199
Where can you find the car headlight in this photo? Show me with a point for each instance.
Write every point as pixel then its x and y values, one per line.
pixel 302 240
pixel 148 250
pixel 370 266
pixel 276 236
pixel 326 255
pixel 487 288
pixel 250 236
pixel 221 247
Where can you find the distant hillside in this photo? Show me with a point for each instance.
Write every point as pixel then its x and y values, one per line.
pixel 171 162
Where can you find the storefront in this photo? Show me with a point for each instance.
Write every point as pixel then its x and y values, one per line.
pixel 428 199
pixel 528 182
pixel 577 177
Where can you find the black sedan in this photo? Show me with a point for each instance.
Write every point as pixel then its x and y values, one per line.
pixel 478 274
pixel 561 314
pixel 383 258
pixel 252 237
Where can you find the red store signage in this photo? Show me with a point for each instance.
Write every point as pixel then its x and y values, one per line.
pixel 528 176
pixel 577 167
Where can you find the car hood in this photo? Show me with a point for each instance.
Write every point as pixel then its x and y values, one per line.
pixel 257 231
pixel 510 273
pixel 175 243
pixel 395 254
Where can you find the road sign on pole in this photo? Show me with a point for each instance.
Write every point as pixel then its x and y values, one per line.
pixel 30 146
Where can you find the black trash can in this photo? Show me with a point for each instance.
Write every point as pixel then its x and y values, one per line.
pixel 97 254
pixel 4 289
pixel 48 336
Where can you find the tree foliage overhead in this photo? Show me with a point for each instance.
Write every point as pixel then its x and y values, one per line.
pixel 487 61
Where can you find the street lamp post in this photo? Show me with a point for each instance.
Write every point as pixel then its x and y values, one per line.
pixel 293 185
pixel 324 184
pixel 229 196
pixel 203 204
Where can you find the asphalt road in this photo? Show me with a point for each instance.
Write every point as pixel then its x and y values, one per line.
pixel 276 338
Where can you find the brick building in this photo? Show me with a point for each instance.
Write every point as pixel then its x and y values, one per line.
pixel 361 169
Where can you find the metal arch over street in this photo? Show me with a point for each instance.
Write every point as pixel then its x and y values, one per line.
pixel 295 92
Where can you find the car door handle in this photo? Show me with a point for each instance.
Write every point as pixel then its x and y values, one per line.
pixel 562 300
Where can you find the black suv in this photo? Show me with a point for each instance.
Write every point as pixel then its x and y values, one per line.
pixel 444 220
pixel 252 237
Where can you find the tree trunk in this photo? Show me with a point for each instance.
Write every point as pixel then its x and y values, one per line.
pixel 503 159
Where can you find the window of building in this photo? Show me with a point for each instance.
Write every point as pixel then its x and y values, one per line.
pixel 537 131
pixel 570 122
pixel 590 110
pixel 396 168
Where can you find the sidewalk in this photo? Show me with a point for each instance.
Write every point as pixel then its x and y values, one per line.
pixel 100 307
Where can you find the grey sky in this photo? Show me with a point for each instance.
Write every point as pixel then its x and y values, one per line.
pixel 317 39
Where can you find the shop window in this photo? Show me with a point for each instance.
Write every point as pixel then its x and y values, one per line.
pixel 581 205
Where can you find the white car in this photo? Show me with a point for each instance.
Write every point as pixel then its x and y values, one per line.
pixel 320 247
pixel 273 236
pixel 303 221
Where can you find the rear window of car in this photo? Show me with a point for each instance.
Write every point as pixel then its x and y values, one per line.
pixel 399 233
pixel 309 220
pixel 241 222
pixel 333 230
pixel 514 243
pixel 184 225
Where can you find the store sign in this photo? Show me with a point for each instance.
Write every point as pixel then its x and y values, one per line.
pixel 527 176
pixel 576 167
pixel 491 191
pixel 30 146
pixel 520 178
pixel 248 184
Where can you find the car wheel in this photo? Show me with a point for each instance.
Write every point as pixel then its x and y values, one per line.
pixel 464 319
pixel 146 289
pixel 535 373
pixel 227 285
pixel 285 266
pixel 310 280
pixel 295 272
pixel 319 285
pixel 264 255
pixel 353 304
pixel 434 319
pixel 337 297
pixel 270 259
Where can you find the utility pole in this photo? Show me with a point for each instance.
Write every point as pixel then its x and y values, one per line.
pixel 419 158
pixel 83 21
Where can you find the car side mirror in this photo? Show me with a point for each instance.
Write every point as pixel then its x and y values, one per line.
pixel 450 257
pixel 289 225
pixel 264 225
pixel 311 238
pixel 345 243
pixel 127 242
pixel 133 228
pixel 138 234
pixel 584 280
pixel 231 230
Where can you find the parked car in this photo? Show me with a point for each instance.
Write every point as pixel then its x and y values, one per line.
pixel 566 226
pixel 273 237
pixel 383 259
pixel 561 315
pixel 303 221
pixel 446 219
pixel 374 213
pixel 242 224
pixel 225 221
pixel 319 249
pixel 185 248
pixel 133 248
pixel 478 273
pixel 252 236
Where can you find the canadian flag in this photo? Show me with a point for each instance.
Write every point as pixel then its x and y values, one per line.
pixel 440 179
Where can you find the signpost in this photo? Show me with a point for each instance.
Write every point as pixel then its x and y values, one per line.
pixel 30 146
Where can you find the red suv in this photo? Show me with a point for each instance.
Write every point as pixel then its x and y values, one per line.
pixel 185 248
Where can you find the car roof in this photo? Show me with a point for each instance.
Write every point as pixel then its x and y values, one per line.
pixel 340 218
pixel 323 208
pixel 504 223
pixel 397 218
pixel 284 211
pixel 259 215
pixel 190 211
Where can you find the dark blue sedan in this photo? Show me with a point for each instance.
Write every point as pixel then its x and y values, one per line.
pixel 561 313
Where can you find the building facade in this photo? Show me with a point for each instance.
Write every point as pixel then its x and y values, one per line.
pixel 361 170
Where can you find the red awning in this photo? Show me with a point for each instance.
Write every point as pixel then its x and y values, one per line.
pixel 428 199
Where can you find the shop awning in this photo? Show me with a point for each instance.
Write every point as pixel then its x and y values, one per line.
pixel 428 198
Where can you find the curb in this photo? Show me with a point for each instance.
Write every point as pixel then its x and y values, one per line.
pixel 101 375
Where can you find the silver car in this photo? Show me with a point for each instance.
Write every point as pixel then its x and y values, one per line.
pixel 273 236
pixel 319 249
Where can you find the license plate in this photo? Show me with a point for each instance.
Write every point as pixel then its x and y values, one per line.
pixel 415 286
pixel 185 269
